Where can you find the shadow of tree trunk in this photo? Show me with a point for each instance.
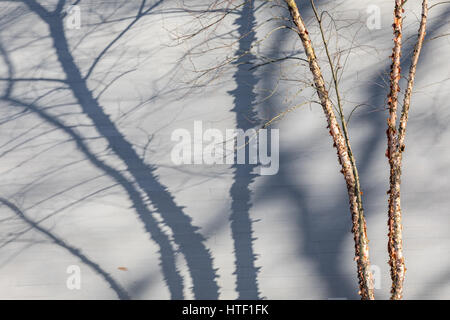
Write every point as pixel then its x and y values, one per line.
pixel 168 262
pixel 246 118
pixel 185 235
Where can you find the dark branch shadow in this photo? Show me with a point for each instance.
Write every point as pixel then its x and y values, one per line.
pixel 185 235
pixel 168 262
pixel 171 275
pixel 246 118
pixel 121 293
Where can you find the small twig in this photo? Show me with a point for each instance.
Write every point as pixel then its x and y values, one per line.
pixel 439 3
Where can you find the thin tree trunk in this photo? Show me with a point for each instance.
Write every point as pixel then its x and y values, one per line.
pixel 348 166
pixel 396 260
pixel 396 145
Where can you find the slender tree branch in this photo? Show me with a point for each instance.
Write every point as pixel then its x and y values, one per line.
pixel 340 107
pixel 396 260
pixel 359 225
pixel 396 146
pixel 412 74
pixel 439 3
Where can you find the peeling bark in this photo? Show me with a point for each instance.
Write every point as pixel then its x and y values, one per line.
pixel 345 160
pixel 395 250
pixel 396 145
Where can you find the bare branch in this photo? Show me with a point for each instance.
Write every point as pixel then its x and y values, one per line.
pixel 358 220
pixel 396 147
